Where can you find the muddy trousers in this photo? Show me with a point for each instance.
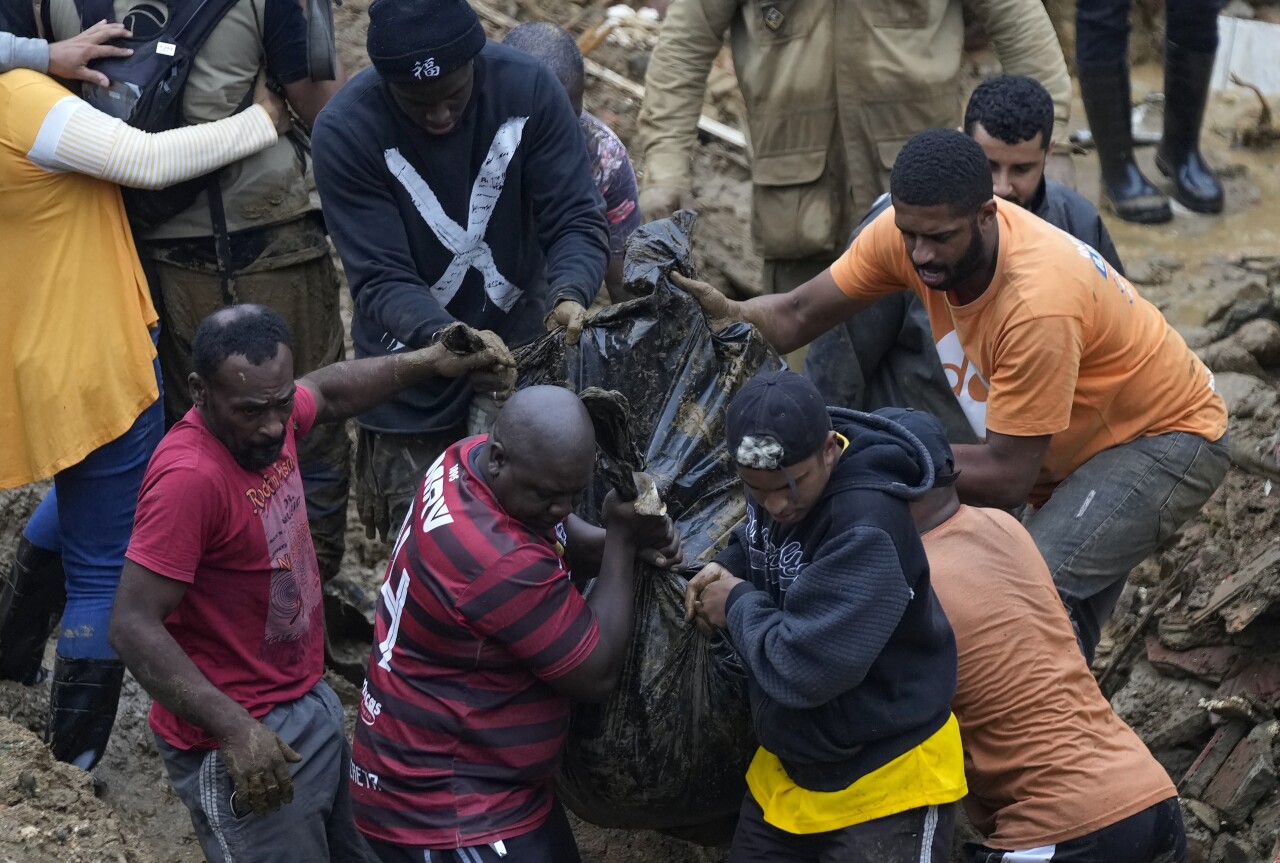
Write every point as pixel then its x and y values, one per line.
pixel 316 825
pixel 921 835
pixel 305 294
pixel 1154 835
pixel 389 470
pixel 1117 509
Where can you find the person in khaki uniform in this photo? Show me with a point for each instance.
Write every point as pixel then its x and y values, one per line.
pixel 276 252
pixel 824 127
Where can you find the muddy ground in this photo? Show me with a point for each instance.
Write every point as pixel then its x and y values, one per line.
pixel 1189 268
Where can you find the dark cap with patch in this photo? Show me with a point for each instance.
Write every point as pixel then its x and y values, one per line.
pixel 776 420
pixel 422 40
pixel 928 429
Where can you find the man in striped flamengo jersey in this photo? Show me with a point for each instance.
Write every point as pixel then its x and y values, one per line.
pixel 482 641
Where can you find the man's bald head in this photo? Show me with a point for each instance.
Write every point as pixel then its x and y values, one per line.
pixel 541 455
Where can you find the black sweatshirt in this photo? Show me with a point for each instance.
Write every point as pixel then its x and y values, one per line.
pixel 381 178
pixel 850 660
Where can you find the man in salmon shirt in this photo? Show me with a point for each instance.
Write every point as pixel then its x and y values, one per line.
pixel 1097 413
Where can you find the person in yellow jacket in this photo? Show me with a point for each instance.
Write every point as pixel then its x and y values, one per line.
pixel 79 383
pixel 832 91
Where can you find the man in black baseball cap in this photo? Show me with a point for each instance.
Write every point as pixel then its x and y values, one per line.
pixel 456 188
pixel 851 664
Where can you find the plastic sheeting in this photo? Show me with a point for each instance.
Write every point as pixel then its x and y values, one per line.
pixel 668 751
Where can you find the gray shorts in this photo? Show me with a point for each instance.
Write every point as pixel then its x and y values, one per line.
pixel 315 827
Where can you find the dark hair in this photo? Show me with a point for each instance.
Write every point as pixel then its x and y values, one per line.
pixel 1013 108
pixel 941 166
pixel 254 331
pixel 556 48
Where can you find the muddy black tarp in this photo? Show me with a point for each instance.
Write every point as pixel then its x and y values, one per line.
pixel 669 749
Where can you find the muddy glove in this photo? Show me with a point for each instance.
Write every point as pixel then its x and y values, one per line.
pixel 568 314
pixel 258 763
pixel 659 202
pixel 719 310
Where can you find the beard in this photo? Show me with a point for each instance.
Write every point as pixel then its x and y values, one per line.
pixel 973 259
pixel 260 457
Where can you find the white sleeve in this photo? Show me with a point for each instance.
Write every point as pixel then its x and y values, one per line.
pixel 76 137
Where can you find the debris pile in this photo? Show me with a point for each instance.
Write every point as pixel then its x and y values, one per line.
pixel 1194 659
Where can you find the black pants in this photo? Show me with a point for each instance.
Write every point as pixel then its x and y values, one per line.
pixel 916 836
pixel 1102 28
pixel 553 842
pixel 1154 835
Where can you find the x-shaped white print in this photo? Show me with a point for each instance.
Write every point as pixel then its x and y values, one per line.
pixel 467 244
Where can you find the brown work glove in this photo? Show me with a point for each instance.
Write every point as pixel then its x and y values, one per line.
pixel 568 314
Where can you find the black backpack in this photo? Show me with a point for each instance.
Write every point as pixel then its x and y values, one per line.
pixel 147 87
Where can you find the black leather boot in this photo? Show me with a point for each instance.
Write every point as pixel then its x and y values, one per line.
pixel 30 607
pixel 1105 92
pixel 1186 88
pixel 82 708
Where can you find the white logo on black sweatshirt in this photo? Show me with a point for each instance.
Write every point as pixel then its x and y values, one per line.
pixel 467 244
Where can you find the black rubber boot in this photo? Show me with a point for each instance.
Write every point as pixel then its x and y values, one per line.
pixel 30 608
pixel 1186 88
pixel 1105 92
pixel 82 708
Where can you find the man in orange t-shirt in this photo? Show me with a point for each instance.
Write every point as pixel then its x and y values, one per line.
pixel 1096 411
pixel 1053 773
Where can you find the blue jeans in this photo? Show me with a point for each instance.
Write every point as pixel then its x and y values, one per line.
pixel 1117 509
pixel 88 518
pixel 1102 28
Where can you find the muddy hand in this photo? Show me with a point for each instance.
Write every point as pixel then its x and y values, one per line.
pixel 495 358
pixel 719 310
pixel 70 58
pixel 257 762
pixel 693 613
pixel 568 314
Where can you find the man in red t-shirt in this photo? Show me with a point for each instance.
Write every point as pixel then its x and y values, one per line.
pixel 482 640
pixel 219 615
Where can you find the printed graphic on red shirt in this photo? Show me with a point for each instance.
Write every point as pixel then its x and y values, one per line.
pixel 251 618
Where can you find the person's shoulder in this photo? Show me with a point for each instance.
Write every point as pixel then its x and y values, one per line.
pixel 359 98
pixel 599 129
pixel 1048 267
pixel 506 60
pixel 518 77
pixel 186 450
pixel 1068 196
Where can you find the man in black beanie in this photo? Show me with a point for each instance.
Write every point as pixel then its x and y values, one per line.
pixel 850 662
pixel 456 187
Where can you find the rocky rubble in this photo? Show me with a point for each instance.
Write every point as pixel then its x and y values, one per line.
pixel 1194 661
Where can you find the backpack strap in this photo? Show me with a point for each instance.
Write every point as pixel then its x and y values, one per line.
pixel 91 11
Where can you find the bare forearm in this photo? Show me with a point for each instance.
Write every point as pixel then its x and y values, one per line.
pixel 985 481
pixel 783 320
pixel 170 677
pixel 352 387
pixel 612 599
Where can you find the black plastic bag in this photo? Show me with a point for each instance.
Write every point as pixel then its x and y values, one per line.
pixel 669 750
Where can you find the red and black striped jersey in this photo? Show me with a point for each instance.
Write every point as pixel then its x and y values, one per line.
pixel 460 734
